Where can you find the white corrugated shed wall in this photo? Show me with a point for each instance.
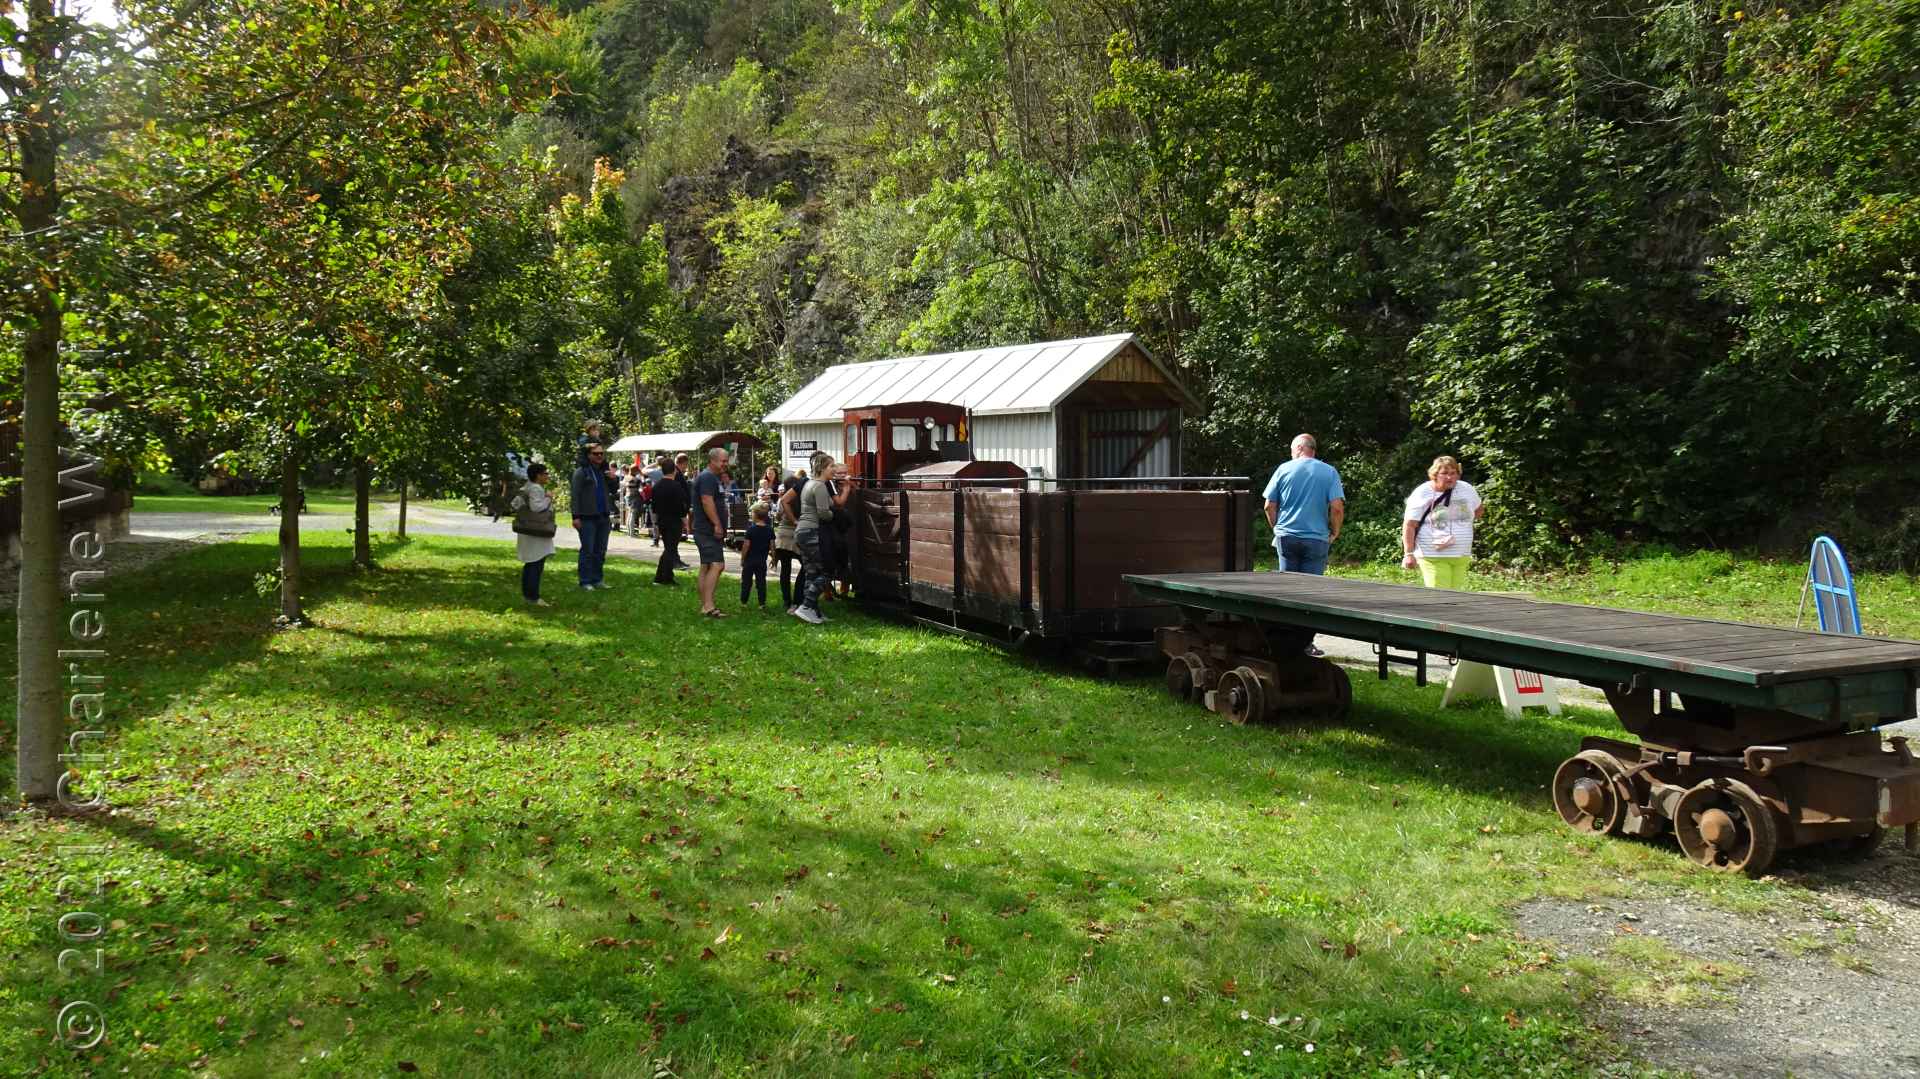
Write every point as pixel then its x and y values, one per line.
pixel 1024 438
pixel 826 437
pixel 1107 455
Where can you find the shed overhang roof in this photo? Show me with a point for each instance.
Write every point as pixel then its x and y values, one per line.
pixel 1007 380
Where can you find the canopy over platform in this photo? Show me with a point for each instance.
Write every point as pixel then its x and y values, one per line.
pixel 685 442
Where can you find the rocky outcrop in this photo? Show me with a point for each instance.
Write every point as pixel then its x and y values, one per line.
pixel 819 301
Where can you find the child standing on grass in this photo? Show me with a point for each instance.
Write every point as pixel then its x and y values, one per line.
pixel 753 557
pixel 533 528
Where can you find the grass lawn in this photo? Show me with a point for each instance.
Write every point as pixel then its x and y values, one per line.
pixel 1708 584
pixel 323 500
pixel 444 832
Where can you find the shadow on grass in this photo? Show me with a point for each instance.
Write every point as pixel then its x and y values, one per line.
pixel 845 946
pixel 585 888
pixel 860 681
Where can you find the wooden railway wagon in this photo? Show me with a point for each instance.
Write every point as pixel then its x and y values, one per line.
pixel 1019 559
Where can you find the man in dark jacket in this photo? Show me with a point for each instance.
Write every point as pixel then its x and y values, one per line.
pixel 670 515
pixel 683 476
pixel 593 502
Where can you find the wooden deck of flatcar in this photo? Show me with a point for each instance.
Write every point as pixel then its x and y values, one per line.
pixel 1753 738
pixel 1571 641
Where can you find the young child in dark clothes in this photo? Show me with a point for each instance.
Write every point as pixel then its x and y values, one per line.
pixel 753 557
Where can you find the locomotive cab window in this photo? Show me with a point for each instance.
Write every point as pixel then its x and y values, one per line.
pixel 906 435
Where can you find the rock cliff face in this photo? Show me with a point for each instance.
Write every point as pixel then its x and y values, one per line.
pixel 821 314
pixel 687 203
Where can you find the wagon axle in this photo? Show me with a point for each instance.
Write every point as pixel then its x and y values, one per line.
pixel 1841 793
pixel 1247 679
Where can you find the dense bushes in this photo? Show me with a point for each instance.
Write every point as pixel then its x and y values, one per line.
pixel 1648 267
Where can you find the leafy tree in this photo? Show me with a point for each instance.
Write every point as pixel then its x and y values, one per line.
pixel 244 149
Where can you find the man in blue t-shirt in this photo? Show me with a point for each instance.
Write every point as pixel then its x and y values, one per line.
pixel 1306 506
pixel 710 528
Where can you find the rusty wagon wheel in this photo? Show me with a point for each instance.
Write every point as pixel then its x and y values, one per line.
pixel 1722 824
pixel 1189 677
pixel 1240 696
pixel 1590 793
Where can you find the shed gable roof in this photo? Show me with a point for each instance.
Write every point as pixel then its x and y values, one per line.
pixel 989 381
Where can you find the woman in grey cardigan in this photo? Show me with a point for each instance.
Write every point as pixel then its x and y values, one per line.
pixel 816 514
pixel 533 528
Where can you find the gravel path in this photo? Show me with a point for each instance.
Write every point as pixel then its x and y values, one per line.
pixel 123 555
pixel 1834 981
pixel 421 520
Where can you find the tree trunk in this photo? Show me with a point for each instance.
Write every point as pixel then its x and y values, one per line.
pixel 39 720
pixel 403 509
pixel 362 495
pixel 290 536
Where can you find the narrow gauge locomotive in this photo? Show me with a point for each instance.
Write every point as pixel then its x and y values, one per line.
pixel 982 548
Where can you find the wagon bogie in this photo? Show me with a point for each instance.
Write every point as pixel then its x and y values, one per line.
pixel 1253 676
pixel 1839 793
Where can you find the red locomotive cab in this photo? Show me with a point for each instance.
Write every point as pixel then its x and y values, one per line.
pixel 883 441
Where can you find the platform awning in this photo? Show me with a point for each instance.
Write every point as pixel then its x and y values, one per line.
pixel 685 442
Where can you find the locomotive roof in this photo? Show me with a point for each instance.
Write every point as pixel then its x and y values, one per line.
pixel 1006 380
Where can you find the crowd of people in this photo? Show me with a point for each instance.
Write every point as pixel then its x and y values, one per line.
pixel 801 523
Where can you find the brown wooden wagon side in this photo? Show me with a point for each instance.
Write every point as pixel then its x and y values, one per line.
pixel 999 556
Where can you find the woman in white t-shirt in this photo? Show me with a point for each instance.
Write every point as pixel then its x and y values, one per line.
pixel 1437 532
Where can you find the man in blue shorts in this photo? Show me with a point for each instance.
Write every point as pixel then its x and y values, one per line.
pixel 710 528
pixel 1306 506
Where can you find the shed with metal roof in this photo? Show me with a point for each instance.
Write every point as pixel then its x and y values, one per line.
pixel 686 442
pixel 1093 407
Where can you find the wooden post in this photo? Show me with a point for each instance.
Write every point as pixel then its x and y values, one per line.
pixel 403 509
pixel 959 544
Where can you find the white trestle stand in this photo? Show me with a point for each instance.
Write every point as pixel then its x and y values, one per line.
pixel 1513 688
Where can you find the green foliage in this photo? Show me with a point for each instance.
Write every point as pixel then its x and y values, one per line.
pixel 563 58
pixel 687 131
pixel 161 483
pixel 1627 264
pixel 1518 363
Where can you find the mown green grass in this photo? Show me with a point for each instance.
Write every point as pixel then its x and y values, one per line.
pixel 1739 587
pixel 318 501
pixel 443 829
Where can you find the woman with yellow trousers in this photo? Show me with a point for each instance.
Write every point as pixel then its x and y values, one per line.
pixel 1437 527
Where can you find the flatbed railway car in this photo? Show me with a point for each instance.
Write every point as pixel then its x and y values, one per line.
pixel 1753 739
